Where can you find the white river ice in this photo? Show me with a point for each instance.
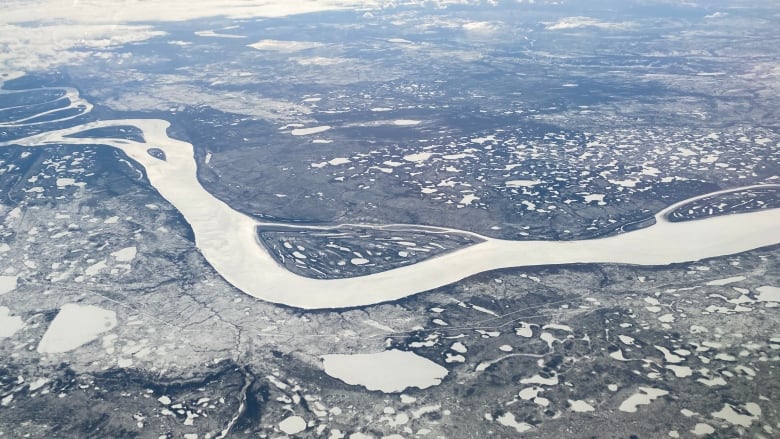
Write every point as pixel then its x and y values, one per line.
pixel 228 240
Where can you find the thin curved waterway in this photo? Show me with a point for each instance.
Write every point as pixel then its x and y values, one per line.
pixel 228 240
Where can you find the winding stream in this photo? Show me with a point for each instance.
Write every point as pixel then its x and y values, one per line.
pixel 228 240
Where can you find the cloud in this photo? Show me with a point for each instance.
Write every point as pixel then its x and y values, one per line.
pixel 284 46
pixel 35 48
pixel 215 34
pixel 37 35
pixel 483 27
pixel 136 11
pixel 582 22
pixel 320 61
pixel 717 15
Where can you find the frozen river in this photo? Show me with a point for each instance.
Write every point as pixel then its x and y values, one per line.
pixel 228 240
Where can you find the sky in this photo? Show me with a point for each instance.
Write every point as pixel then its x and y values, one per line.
pixel 68 29
pixel 39 35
